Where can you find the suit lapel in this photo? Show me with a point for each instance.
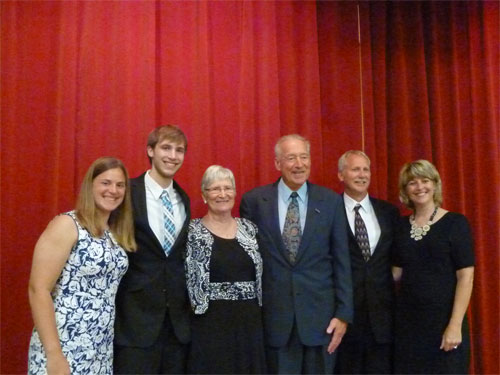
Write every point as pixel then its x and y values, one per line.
pixel 138 192
pixel 271 218
pixel 350 233
pixel 382 222
pixel 314 206
pixel 186 202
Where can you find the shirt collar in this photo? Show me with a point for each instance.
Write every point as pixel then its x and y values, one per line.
pixel 155 188
pixel 284 191
pixel 351 203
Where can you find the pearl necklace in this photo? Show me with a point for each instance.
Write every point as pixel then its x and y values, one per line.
pixel 417 233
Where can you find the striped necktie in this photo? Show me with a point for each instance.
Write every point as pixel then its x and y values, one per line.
pixel 168 222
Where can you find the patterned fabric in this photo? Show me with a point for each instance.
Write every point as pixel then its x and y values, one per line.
pixel 168 222
pixel 84 303
pixel 237 291
pixel 361 234
pixel 199 251
pixel 292 231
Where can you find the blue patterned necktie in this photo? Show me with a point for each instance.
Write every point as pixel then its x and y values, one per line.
pixel 361 234
pixel 292 230
pixel 168 222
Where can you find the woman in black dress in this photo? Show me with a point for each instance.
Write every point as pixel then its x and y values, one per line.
pixel 434 262
pixel 223 271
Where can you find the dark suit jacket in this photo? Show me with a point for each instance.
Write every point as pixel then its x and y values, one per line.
pixel 318 287
pixel 153 281
pixel 372 281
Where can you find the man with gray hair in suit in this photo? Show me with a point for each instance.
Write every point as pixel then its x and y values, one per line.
pixel 307 293
pixel 367 346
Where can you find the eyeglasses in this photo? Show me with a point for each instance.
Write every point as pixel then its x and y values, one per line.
pixel 219 189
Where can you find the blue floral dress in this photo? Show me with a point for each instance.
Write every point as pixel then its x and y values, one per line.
pixel 84 303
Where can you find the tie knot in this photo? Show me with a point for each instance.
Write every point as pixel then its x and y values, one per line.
pixel 357 207
pixel 164 196
pixel 294 195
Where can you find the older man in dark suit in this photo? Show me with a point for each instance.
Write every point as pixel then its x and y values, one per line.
pixel 152 310
pixel 307 294
pixel 367 346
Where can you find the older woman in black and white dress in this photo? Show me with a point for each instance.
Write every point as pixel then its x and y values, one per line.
pixel 224 270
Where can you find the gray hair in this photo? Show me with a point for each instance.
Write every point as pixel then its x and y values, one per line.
pixel 343 158
pixel 216 173
pixel 277 147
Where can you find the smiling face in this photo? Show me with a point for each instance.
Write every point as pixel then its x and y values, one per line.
pixel 219 196
pixel 420 191
pixel 166 158
pixel 294 163
pixel 356 176
pixel 108 189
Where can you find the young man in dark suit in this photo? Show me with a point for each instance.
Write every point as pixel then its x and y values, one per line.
pixel 367 346
pixel 152 310
pixel 307 294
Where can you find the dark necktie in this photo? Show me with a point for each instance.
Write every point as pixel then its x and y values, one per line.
pixel 292 231
pixel 361 234
pixel 168 222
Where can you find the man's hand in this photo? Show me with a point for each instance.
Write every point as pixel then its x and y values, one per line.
pixel 338 328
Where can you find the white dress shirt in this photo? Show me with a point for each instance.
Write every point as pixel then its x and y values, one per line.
pixel 367 214
pixel 154 207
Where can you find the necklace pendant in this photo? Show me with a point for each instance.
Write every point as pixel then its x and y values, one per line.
pixel 417 233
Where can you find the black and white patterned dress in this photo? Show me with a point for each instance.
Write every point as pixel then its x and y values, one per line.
pixel 224 285
pixel 84 303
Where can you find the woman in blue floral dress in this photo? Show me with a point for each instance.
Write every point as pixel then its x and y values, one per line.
pixel 77 265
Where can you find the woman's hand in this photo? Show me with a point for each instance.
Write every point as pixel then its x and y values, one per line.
pixel 452 337
pixel 57 364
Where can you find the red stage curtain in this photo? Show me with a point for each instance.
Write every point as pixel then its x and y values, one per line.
pixel 430 89
pixel 85 79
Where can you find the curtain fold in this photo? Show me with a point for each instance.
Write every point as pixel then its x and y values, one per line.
pixel 435 66
pixel 404 80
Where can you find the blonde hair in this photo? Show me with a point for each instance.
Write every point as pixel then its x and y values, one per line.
pixel 120 221
pixel 419 169
pixel 343 158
